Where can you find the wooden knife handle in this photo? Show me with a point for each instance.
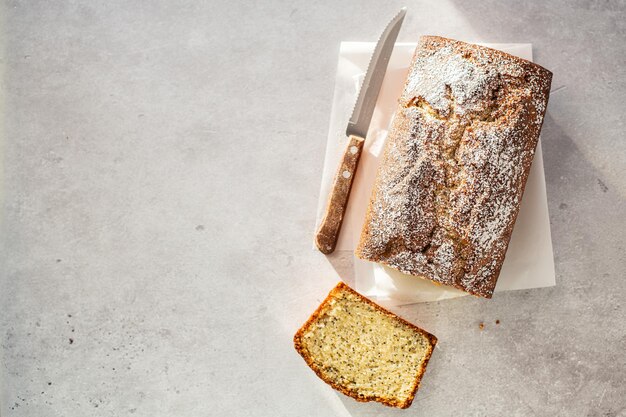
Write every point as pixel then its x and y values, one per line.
pixel 328 232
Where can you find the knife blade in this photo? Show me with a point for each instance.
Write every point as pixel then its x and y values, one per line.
pixel 328 231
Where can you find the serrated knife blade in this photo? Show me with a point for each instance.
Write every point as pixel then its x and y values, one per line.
pixel 328 231
pixel 366 102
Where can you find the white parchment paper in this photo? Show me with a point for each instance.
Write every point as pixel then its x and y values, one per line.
pixel 529 261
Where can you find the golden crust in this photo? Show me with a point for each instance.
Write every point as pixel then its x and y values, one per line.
pixel 450 182
pixel 297 339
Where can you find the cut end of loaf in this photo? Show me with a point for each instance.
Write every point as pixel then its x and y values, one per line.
pixel 363 350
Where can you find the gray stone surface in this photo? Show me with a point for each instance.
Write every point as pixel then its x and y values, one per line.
pixel 161 170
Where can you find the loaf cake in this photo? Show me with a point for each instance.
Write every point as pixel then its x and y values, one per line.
pixel 451 178
pixel 363 350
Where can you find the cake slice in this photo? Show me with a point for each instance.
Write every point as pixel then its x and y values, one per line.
pixel 363 350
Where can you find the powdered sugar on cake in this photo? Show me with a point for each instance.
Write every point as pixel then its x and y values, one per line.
pixel 452 176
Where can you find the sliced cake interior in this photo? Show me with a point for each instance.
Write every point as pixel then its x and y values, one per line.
pixel 363 350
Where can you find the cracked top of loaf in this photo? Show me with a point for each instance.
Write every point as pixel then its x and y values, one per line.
pixel 451 179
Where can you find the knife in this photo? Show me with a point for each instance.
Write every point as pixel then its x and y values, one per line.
pixel 328 231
